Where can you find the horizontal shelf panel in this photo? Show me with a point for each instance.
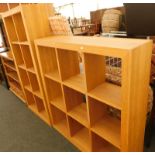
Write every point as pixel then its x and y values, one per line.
pixel 12 12
pixel 31 70
pixel 108 93
pixel 62 127
pixel 38 94
pixel 44 116
pixel 14 76
pixel 76 82
pixel 108 128
pixel 7 55
pixel 9 65
pixel 108 148
pixel 79 113
pixel 59 103
pixel 22 66
pixel 33 107
pixel 81 139
pixel 28 87
pixel 20 42
pixel 53 75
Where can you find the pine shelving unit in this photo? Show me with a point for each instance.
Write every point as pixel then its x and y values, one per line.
pixel 80 98
pixel 11 75
pixel 23 24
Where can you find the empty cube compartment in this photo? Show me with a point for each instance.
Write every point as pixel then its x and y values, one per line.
pixel 105 121
pixel 76 105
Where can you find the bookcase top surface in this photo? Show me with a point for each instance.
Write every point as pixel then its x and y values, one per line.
pixel 102 42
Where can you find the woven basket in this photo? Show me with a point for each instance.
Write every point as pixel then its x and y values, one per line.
pixel 111 20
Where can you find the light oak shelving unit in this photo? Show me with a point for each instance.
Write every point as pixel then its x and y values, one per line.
pixel 23 24
pixel 11 75
pixel 79 96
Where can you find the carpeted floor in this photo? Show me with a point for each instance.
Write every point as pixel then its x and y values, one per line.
pixel 21 130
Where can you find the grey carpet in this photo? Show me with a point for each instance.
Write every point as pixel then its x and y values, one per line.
pixel 21 130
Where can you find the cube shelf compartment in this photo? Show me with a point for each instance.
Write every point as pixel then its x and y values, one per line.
pixel 105 121
pixel 70 71
pixel 101 145
pixel 49 61
pixel 18 55
pixel 30 100
pixel 10 28
pixel 20 29
pixel 41 108
pixel 34 84
pixel 97 85
pixel 59 120
pixel 26 56
pixel 80 135
pixel 99 112
pixel 76 105
pixel 55 97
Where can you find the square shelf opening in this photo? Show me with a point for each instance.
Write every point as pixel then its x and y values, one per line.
pixel 10 28
pixel 18 54
pixel 49 63
pixel 105 121
pixel 55 95
pixel 17 18
pixel 9 63
pixel 59 120
pixel 40 106
pixel 79 134
pixel 76 105
pixel 25 79
pixel 12 74
pixel 14 85
pixel 71 68
pixel 100 81
pixel 27 56
pixel 30 100
pixel 34 84
pixel 101 145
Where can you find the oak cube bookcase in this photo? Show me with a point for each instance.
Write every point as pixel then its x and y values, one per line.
pixel 78 94
pixel 23 24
